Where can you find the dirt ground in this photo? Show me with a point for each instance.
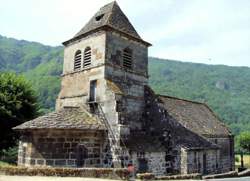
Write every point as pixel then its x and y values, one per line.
pixel 38 178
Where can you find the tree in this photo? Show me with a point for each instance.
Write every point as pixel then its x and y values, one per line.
pixel 244 141
pixel 18 103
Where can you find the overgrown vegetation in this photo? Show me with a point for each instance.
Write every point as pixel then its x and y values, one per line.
pixel 225 89
pixel 244 141
pixel 18 103
pixel 9 156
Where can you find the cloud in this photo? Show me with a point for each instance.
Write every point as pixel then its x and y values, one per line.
pixel 207 31
pixel 214 32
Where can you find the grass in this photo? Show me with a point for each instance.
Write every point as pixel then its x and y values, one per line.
pixel 4 163
pixel 246 159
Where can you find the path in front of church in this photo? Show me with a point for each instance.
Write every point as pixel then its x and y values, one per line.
pixel 39 178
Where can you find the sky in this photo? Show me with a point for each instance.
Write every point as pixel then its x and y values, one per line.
pixel 202 31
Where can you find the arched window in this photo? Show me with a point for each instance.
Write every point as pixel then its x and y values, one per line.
pixel 77 60
pixel 87 57
pixel 127 58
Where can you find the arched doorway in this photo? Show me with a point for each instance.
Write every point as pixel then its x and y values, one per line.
pixel 81 155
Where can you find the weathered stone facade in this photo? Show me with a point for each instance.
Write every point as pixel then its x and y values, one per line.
pixel 59 148
pixel 107 116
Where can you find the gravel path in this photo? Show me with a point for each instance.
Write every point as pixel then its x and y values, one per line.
pixel 38 178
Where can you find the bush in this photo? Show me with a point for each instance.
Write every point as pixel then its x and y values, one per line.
pixel 9 155
pixel 237 159
pixel 67 172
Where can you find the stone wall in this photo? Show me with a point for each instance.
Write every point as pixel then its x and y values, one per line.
pixel 95 41
pixel 155 162
pixel 130 82
pixel 59 148
pixel 226 144
pixel 115 44
pixel 75 87
pixel 203 161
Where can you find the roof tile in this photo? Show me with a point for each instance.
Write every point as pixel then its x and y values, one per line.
pixel 65 118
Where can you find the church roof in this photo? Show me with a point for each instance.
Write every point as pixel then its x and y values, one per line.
pixel 110 16
pixel 158 120
pixel 65 118
pixel 195 116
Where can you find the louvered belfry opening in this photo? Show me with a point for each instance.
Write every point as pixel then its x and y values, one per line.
pixel 127 58
pixel 87 57
pixel 78 59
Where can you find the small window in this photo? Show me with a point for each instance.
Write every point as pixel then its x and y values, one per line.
pixel 98 18
pixel 87 57
pixel 127 58
pixel 78 59
pixel 92 93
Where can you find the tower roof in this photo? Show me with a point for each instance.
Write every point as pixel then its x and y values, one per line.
pixel 109 16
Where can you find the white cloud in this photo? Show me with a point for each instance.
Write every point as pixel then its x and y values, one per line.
pixel 191 30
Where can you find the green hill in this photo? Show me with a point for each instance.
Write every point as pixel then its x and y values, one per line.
pixel 225 89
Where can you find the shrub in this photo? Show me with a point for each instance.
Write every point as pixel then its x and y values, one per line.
pixel 237 159
pixel 67 172
pixel 9 155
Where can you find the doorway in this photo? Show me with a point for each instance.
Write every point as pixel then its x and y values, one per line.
pixel 142 165
pixel 81 155
pixel 92 91
pixel 204 163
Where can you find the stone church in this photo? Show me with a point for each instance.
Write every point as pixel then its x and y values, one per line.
pixel 106 114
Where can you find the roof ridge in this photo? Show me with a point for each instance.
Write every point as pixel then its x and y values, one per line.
pixel 108 19
pixel 182 99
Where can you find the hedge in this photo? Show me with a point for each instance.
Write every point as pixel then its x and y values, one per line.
pixel 111 173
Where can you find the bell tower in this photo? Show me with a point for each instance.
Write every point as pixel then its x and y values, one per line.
pixel 107 62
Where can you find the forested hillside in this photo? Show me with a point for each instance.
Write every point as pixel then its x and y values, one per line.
pixel 225 89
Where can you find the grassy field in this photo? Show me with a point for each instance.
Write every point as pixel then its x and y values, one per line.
pixel 246 159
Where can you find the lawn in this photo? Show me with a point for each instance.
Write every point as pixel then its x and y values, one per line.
pixel 246 159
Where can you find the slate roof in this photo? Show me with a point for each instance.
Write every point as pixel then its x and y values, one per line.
pixel 110 16
pixel 158 120
pixel 195 116
pixel 65 118
pixel 185 138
